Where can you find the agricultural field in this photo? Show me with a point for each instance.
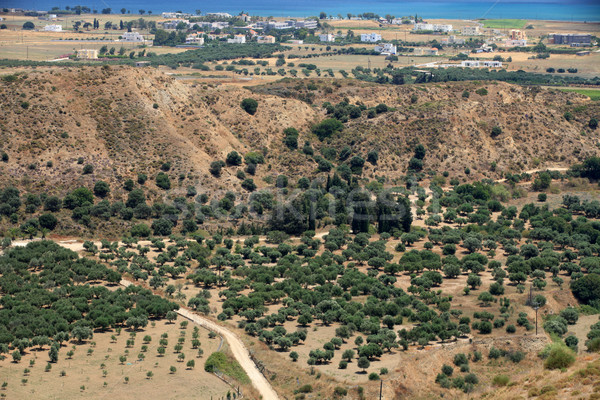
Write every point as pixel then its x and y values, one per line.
pixel 593 94
pixel 117 364
pixel 504 23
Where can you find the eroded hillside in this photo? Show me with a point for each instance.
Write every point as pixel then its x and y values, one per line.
pixel 124 121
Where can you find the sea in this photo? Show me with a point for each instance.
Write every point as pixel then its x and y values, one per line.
pixel 571 10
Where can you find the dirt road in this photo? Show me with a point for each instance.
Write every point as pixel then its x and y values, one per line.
pixel 237 347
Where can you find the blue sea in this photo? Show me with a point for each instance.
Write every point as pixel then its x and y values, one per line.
pixel 574 10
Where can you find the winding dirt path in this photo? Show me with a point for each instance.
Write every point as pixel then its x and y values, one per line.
pixel 239 350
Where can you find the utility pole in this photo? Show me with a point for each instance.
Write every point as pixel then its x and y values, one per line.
pixel 380 388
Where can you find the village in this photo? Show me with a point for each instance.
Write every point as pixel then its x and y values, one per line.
pixel 408 40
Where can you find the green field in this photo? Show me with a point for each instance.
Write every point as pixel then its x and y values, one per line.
pixel 504 23
pixel 593 94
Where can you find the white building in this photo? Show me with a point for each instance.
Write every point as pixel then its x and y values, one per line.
pixel 194 39
pixel 53 28
pixel 239 39
pixel 370 37
pixel 470 31
pixel 132 37
pixel 420 26
pixel 307 24
pixel 326 37
pixel 386 49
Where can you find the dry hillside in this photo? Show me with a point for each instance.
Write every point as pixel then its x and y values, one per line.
pixel 124 121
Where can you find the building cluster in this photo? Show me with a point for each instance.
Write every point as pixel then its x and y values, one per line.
pixel 174 23
pixel 421 26
pixel 471 30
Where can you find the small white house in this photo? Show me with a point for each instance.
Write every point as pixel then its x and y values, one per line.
pixel 132 37
pixel 194 39
pixel 420 26
pixel 239 39
pixel 265 39
pixel 370 37
pixel 53 28
pixel 516 42
pixel 425 51
pixel 386 49
pixel 87 54
pixel 328 37
pixel 478 64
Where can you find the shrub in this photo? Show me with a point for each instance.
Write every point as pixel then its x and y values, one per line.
pixel 482 92
pixel 472 379
pixel 587 288
pixel 234 158
pixel 373 376
pixel 460 359
pixel 516 356
pixel 291 138
pixel 163 181
pixel 305 389
pixel 501 380
pixel 495 353
pixel 140 230
pixel 249 105
pixel 447 370
pixel 327 127
pixel 570 314
pixel 559 356
pixel 215 168
pixel 496 131
pixel 593 345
